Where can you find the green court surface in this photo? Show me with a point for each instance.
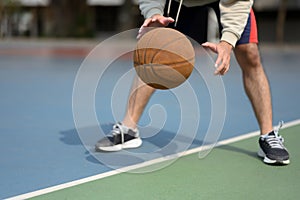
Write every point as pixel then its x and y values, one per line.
pixel 230 171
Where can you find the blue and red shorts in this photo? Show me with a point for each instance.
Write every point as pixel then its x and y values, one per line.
pixel 250 32
pixel 193 22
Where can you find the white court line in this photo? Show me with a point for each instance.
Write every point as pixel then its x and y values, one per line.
pixel 144 164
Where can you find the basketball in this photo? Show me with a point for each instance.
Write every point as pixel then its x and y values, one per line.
pixel 164 58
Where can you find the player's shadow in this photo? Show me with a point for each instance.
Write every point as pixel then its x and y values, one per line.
pixel 162 144
pixel 235 149
pixel 70 137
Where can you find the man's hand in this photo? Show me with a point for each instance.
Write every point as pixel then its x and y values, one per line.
pixel 223 49
pixel 154 21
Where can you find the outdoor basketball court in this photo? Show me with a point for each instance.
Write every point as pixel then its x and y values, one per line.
pixel 44 156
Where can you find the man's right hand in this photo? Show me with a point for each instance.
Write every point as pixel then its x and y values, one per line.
pixel 154 21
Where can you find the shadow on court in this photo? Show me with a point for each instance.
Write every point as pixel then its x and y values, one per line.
pixel 164 143
pixel 240 150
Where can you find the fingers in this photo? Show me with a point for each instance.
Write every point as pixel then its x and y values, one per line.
pixel 143 28
pixel 223 60
pixel 147 22
pixel 222 65
pixel 223 49
pixel 160 20
pixel 165 21
pixel 154 21
pixel 142 31
pixel 211 46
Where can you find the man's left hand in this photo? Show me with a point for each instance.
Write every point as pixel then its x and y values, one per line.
pixel 223 49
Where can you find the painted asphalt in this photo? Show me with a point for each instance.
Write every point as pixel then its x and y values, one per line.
pixel 39 142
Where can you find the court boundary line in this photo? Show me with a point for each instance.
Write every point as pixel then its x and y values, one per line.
pixel 141 165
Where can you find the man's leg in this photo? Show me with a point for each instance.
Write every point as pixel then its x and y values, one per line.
pixel 256 84
pixel 258 90
pixel 125 135
pixel 139 96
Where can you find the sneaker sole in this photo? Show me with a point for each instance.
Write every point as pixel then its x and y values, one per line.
pixel 267 160
pixel 127 145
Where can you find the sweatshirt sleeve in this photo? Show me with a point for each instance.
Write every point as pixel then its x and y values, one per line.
pixel 151 7
pixel 234 16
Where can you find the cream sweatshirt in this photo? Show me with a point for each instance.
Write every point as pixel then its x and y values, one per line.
pixel 234 14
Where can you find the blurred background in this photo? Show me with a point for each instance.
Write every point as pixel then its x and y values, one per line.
pixel 278 20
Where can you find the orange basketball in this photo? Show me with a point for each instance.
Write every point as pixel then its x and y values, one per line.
pixel 164 58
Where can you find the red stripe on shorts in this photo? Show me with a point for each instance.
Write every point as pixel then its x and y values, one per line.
pixel 253 32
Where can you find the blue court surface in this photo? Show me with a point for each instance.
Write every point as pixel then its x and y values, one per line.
pixel 41 147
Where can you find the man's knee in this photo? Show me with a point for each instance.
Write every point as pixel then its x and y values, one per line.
pixel 248 54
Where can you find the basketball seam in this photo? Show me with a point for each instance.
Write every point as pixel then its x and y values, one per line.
pixel 174 63
pixel 149 40
pixel 145 57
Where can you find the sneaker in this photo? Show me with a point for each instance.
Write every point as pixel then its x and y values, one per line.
pixel 272 148
pixel 121 137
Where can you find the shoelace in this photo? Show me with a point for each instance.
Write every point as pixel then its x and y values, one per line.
pixel 276 140
pixel 118 130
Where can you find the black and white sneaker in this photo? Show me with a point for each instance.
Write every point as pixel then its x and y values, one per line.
pixel 121 137
pixel 272 148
